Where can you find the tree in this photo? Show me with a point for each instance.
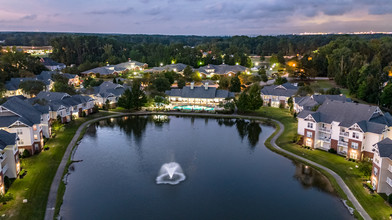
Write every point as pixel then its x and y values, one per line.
pixel 160 100
pixel 114 80
pixel 261 71
pixel 161 84
pixel 243 102
pixel 32 87
pixel 138 96
pixel 386 96
pixel 333 91
pixel 188 72
pixel 280 80
pixel 235 84
pixel 2 89
pixel 365 166
pixel 305 90
pixel 224 82
pixel 63 87
pixel 59 78
pixel 125 100
pixel 255 100
pixel 181 83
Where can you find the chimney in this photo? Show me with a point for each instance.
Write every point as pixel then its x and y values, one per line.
pixel 206 85
pixel 192 85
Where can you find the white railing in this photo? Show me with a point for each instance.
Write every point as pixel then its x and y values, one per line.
pixel 342 143
pixel 326 139
pixel 345 134
pixel 325 129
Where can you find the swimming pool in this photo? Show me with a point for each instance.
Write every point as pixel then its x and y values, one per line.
pixel 194 107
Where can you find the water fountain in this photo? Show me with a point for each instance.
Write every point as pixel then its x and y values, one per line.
pixel 170 173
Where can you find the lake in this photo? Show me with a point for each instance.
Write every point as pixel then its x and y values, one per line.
pixel 230 174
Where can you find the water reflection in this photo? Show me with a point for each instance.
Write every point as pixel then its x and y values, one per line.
pixel 311 178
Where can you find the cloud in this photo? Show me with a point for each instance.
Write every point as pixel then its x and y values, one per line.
pixel 112 11
pixel 29 17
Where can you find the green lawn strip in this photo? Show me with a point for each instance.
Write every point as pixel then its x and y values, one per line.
pixel 374 204
pixel 41 170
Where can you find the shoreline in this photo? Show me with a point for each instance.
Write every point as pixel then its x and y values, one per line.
pixel 55 197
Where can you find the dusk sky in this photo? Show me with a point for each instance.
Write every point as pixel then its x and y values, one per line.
pixel 196 17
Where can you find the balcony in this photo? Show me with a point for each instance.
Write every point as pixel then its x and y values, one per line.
pixel 2 157
pixel 324 129
pixel 325 139
pixel 5 168
pixel 343 143
pixel 344 134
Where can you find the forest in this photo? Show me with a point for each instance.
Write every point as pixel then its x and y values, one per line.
pixel 360 63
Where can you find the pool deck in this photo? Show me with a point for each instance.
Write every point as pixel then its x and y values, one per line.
pixel 52 198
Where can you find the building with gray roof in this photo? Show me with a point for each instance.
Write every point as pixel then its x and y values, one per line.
pixel 204 95
pixel 349 128
pixel 51 64
pixel 309 102
pixel 9 156
pixel 222 70
pixel 107 92
pixel 117 69
pixel 176 67
pixel 381 176
pixel 278 95
pixel 20 117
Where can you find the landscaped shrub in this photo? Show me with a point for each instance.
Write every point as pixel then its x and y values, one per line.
pixel 332 151
pixel 281 105
pixel 7 182
pixel 84 114
pixel 26 153
pixel 269 104
pixel 390 198
pixel 5 198
pixel 22 173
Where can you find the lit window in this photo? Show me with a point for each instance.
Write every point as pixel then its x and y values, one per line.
pixel 375 171
pixel 35 137
pixel 35 127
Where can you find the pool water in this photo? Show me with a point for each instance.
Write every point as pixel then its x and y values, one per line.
pixel 194 108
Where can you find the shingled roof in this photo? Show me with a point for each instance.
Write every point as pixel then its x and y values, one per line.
pixel 7 139
pixel 285 90
pixel 221 69
pixel 26 113
pixel 308 102
pixel 385 148
pixel 369 118
pixel 199 92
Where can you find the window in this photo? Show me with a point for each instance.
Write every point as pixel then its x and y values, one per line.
pixel 390 168
pixel 355 135
pixel 389 181
pixel 34 127
pixel 310 125
pixel 20 141
pixel 375 171
pixel 35 137
pixel 354 145
pixel 309 134
pixel 19 131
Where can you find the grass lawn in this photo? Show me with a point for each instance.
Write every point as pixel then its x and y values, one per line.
pixel 374 204
pixel 41 170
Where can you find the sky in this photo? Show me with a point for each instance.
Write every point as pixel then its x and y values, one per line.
pixel 196 17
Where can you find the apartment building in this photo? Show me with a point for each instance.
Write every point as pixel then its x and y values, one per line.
pixel 351 129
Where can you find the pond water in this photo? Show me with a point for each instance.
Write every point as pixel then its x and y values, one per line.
pixel 230 174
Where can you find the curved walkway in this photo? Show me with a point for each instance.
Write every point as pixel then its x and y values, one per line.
pixel 50 207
